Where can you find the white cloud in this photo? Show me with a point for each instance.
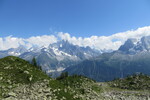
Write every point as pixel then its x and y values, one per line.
pixel 98 42
pixel 10 42
pixel 44 40
pixel 106 42
pixel 14 42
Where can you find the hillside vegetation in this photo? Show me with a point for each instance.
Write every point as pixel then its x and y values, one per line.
pixel 20 80
pixel 133 82
pixel 15 72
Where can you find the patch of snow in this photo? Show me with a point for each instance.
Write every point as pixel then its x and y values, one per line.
pixel 60 45
pixel 85 53
pixel 31 49
pixel 50 71
pixel 66 54
pixel 60 53
pixel 56 51
pixel 60 69
pixel 14 53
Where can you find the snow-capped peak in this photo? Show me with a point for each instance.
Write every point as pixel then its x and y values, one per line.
pixel 134 46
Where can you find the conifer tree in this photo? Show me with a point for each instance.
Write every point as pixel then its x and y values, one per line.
pixel 34 61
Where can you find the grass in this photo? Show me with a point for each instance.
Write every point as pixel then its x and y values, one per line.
pixel 77 85
pixel 15 71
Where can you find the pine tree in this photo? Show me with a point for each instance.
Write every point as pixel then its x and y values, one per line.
pixel 62 76
pixel 34 61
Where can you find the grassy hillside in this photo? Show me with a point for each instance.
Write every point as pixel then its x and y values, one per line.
pixel 15 71
pixel 133 82
pixel 20 80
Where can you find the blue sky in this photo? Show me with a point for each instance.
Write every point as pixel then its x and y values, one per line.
pixel 77 17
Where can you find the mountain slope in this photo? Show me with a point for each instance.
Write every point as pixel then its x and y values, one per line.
pixel 134 82
pixel 20 80
pixel 14 68
pixel 15 71
pixel 114 65
pixel 134 87
pixel 13 51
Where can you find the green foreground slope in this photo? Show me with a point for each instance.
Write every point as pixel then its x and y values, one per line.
pixel 133 82
pixel 20 80
pixel 134 87
pixel 15 72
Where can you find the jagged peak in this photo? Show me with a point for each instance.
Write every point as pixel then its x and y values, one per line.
pixel 127 45
pixel 133 45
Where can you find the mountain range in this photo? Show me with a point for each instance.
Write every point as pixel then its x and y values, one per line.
pixel 54 58
pixel 132 57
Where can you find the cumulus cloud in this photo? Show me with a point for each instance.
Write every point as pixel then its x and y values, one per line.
pixel 14 42
pixel 97 42
pixel 44 40
pixel 112 42
pixel 10 42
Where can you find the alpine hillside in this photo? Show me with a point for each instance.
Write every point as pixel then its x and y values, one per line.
pixel 19 80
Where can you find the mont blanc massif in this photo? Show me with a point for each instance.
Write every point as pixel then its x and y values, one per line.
pixel 100 65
